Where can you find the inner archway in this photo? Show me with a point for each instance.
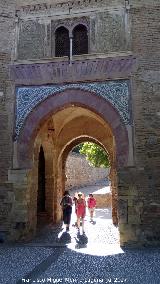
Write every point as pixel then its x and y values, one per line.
pixel 87 170
pixel 86 164
pixel 108 145
pixel 106 212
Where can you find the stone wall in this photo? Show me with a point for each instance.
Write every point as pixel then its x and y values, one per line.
pixel 103 200
pixel 80 173
pixel 7 32
pixel 139 187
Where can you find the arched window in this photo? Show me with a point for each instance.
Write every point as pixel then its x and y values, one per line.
pixel 80 40
pixel 62 42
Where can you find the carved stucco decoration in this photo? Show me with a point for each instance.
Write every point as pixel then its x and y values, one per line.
pixel 70 23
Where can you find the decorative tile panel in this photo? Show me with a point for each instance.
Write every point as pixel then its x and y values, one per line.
pixel 116 92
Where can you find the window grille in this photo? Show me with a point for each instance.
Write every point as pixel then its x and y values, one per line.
pixel 80 40
pixel 62 44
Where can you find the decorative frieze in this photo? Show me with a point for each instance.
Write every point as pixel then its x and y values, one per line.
pixel 64 7
pixel 83 68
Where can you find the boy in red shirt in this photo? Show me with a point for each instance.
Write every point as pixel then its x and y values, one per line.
pixel 91 205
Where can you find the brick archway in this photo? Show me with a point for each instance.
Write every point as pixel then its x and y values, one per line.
pixel 78 140
pixel 60 101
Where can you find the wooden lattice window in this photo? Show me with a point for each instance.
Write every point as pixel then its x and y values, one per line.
pixel 80 40
pixel 62 42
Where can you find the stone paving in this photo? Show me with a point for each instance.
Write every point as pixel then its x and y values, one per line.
pixel 101 231
pixel 55 256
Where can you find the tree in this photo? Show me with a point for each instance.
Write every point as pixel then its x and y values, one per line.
pixel 95 154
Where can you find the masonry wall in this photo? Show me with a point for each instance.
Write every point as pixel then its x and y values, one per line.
pixel 146 44
pixel 7 26
pixel 80 173
pixel 7 30
pixel 139 189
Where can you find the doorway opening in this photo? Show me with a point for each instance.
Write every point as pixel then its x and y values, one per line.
pixel 41 208
pixel 90 174
pixel 68 120
pixel 87 170
pixel 41 192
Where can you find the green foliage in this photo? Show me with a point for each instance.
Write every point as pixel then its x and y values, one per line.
pixel 94 154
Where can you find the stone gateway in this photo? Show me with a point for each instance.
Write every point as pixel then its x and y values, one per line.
pixel 75 71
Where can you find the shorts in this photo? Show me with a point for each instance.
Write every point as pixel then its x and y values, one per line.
pixel 91 209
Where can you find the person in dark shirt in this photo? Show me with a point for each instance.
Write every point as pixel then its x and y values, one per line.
pixel 66 204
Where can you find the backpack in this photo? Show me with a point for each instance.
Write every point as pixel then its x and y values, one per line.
pixel 66 201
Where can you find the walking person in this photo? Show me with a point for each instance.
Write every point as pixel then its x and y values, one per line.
pixel 75 203
pixel 66 204
pixel 80 211
pixel 91 202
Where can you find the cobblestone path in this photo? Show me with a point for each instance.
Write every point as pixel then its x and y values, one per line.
pixel 55 256
pixel 100 236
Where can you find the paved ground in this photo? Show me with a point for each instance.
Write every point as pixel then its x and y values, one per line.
pixel 55 256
